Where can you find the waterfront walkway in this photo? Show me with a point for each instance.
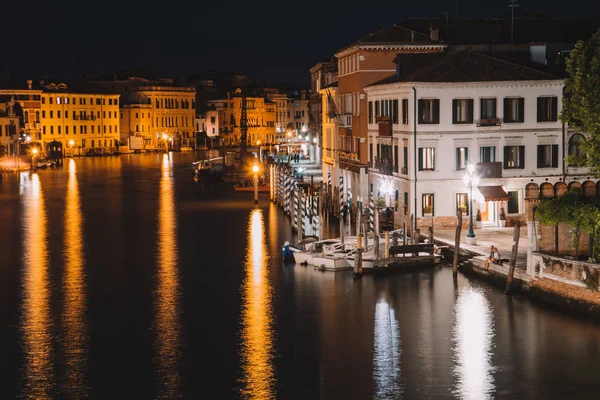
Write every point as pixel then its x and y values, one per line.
pixel 500 237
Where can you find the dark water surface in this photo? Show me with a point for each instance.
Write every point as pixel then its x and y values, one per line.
pixel 121 278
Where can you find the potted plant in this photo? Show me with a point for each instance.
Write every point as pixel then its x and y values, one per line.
pixel 427 211
pixel 478 219
pixel 502 220
pixel 463 209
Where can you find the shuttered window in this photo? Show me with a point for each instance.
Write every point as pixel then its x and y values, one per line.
pixel 547 109
pixel 462 111
pixel 514 109
pixel 514 157
pixel 547 156
pixel 429 111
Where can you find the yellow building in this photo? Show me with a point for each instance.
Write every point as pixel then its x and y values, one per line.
pixel 83 122
pixel 137 122
pixel 260 117
pixel 169 119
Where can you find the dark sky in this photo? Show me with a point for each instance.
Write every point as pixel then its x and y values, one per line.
pixel 272 40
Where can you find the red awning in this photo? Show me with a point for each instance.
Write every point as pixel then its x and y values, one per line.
pixel 493 193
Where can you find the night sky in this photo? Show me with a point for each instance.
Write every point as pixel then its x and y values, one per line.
pixel 277 41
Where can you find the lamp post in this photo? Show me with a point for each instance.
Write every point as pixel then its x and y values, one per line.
pixel 255 170
pixel 471 180
pixel 71 143
pixel 34 153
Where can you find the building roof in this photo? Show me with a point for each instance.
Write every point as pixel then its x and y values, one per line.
pixel 469 66
pixel 392 35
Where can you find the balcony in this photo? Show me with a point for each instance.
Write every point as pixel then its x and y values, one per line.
pixel 489 122
pixel 385 166
pixel 404 171
pixel 489 170
pixel 346 120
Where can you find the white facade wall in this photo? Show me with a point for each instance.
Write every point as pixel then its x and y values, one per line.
pixel 445 181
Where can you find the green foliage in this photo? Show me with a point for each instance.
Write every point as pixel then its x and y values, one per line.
pixel 583 214
pixel 581 103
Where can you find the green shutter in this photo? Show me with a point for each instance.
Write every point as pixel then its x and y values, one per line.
pixel 466 155
pixel 554 108
pixel 521 157
pixel 506 150
pixel 521 109
pixel 395 111
pixel 436 111
pixel 457 158
pixel 470 110
pixel 506 108
pixel 540 114
pixel 420 111
pixel 540 154
pixel 454 110
pixel 554 156
pixel 432 206
pixel 420 159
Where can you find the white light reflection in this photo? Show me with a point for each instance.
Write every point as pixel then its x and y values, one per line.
pixel 473 337
pixel 167 325
pixel 257 333
pixel 386 355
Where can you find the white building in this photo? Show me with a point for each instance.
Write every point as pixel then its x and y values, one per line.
pixel 426 124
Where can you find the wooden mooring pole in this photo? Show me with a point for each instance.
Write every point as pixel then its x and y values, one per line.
pixel 513 256
pixel 457 242
pixel 430 229
pixel 404 234
pixel 358 258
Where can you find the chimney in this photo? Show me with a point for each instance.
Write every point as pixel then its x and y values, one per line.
pixel 29 83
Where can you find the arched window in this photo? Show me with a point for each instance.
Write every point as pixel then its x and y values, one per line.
pixel 575 150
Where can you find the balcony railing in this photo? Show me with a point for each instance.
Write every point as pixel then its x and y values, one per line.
pixel 489 170
pixel 489 122
pixel 404 171
pixel 346 120
pixel 385 166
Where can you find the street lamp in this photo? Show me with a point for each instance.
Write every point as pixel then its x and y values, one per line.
pixel 471 180
pixel 71 143
pixel 255 170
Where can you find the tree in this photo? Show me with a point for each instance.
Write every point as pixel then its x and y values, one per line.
pixel 581 103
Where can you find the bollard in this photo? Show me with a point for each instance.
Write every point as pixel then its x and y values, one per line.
pixel 376 246
pixel 513 257
pixel 358 258
pixel 387 245
pixel 457 242
pixel 394 239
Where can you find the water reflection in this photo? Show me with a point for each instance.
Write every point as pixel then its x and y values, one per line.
pixel 473 337
pixel 75 325
pixel 36 323
pixel 168 326
pixel 386 355
pixel 257 331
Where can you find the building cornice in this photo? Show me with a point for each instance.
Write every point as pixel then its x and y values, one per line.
pixel 422 47
pixel 396 86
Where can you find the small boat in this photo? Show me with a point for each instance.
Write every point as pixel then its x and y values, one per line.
pixel 314 249
pixel 333 262
pixel 289 250
pixel 186 148
pixel 250 188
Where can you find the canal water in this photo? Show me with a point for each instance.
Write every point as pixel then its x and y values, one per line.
pixel 121 278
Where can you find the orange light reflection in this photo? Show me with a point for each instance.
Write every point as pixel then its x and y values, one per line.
pixel 75 340
pixel 37 343
pixel 167 298
pixel 257 334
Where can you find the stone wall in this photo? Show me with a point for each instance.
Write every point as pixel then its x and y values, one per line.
pixel 566 273
pixel 546 236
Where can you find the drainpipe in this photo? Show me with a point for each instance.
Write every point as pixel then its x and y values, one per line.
pixel 415 150
pixel 564 169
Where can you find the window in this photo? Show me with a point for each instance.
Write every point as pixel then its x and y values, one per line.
pixel 74 129
pixel 67 129
pixel 577 155
pixel 82 142
pixel 547 109
pixel 59 130
pixel 514 157
pixel 426 158
pixel 370 112
pixel 212 119
pixel 513 202
pixel 462 111
pixel 43 114
pixel 547 156
pixel 51 114
pixel 488 108
pixel 58 114
pixel 487 154
pixel 44 129
pixel 52 130
pixel 405 111
pixel 405 203
pixel 405 161
pixel 462 201
pixel 429 111
pixel 58 100
pixel 371 154
pixel 462 158
pixel 50 100
pixel 43 100
pixel 428 204
pixel 514 109
pixel 394 111
pixel 213 131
